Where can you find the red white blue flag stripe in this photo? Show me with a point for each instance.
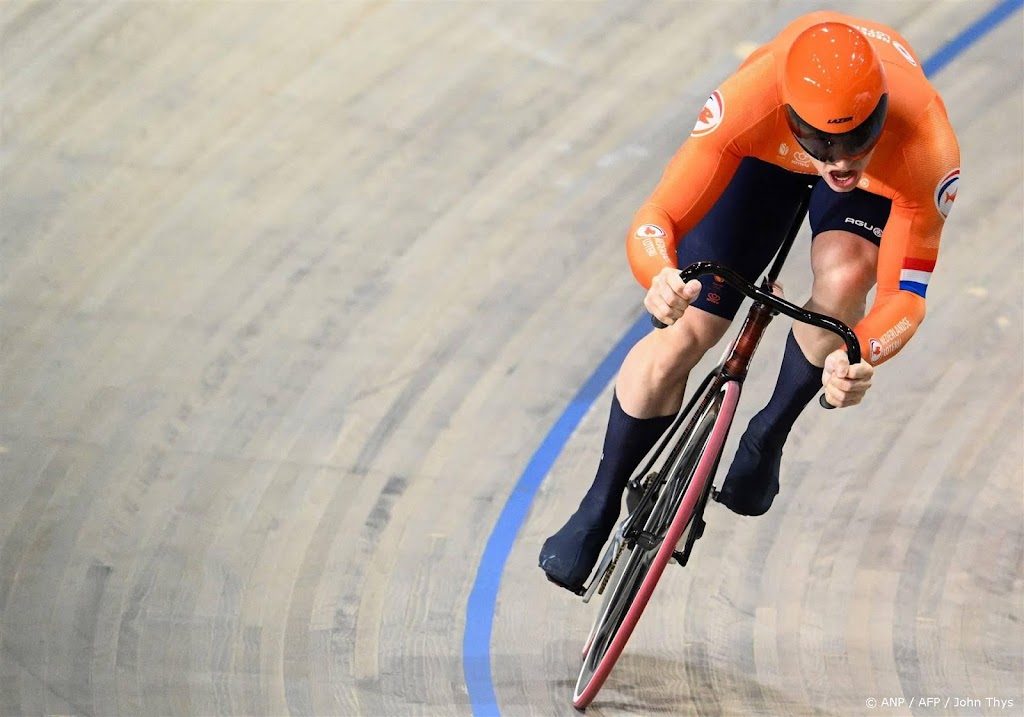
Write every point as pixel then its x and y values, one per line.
pixel 915 275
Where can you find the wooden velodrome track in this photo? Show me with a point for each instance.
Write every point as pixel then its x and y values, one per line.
pixel 292 293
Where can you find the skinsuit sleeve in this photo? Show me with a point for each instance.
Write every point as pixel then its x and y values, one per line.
pixel 910 242
pixel 728 127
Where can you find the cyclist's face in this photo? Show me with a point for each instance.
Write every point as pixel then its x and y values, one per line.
pixel 844 174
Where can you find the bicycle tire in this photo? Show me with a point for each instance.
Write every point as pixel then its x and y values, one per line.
pixel 638 570
pixel 672 463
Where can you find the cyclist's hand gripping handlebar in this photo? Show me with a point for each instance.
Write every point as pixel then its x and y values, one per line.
pixel 669 296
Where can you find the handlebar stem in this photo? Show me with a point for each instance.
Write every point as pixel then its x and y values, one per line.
pixel 754 324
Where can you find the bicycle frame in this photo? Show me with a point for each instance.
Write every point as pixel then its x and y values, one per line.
pixel 736 363
pixel 766 306
pixel 684 484
pixel 689 462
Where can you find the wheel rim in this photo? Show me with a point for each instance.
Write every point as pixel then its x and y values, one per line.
pixel 634 569
pixel 629 578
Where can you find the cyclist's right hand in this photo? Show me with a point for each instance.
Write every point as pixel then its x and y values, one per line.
pixel 669 296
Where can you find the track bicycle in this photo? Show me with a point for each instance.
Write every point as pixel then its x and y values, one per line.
pixel 666 505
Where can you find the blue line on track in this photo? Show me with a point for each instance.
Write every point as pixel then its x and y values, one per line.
pixel 476 644
pixel 971 35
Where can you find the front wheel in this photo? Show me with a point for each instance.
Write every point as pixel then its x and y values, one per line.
pixel 689 467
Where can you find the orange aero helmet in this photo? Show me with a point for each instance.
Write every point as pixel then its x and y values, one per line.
pixel 835 93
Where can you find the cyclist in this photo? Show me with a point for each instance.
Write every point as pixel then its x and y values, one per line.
pixel 835 106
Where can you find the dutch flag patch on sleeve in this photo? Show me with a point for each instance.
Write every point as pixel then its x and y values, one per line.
pixel 915 275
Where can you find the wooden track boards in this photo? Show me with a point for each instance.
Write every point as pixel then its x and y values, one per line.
pixel 290 294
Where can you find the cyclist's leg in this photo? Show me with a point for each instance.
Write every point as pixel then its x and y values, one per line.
pixel 649 388
pixel 652 378
pixel 844 267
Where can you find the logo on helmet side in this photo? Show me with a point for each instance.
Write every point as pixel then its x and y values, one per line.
pixel 711 116
pixel 841 120
pixel 945 192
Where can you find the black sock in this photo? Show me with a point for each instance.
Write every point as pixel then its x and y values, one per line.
pixel 799 381
pixel 626 442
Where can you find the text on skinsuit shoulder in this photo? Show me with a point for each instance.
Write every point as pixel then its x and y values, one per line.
pixel 877 34
pixel 887 39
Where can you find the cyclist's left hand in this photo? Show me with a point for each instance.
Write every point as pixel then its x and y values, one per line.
pixel 844 384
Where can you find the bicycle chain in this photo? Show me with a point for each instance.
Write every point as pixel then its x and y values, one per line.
pixel 611 568
pixel 622 545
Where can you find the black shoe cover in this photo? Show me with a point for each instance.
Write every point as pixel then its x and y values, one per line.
pixel 753 479
pixel 569 555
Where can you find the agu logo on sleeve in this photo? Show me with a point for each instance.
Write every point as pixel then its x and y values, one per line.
pixel 711 116
pixel 945 192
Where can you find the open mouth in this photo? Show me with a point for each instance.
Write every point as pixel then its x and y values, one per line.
pixel 845 178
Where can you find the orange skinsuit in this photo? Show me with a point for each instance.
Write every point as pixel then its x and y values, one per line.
pixel 915 165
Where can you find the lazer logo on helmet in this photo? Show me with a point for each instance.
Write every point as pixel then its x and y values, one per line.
pixel 841 120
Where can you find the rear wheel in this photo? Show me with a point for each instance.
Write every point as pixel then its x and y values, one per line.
pixel 641 561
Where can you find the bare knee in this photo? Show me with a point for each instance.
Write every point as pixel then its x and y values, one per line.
pixel 677 354
pixel 844 266
pixel 653 376
pixel 674 351
pixel 844 287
